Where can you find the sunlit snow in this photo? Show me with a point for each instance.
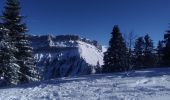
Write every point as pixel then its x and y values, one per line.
pixel 152 84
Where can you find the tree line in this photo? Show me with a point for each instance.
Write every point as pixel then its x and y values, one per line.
pixel 122 57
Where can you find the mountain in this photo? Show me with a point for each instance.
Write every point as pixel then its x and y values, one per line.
pixel 148 84
pixel 66 55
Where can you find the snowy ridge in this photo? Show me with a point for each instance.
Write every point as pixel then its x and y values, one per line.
pixel 60 41
pixel 66 55
pixel 150 84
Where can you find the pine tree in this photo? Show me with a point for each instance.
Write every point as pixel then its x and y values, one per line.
pixel 138 52
pixel 12 20
pixel 115 58
pixel 98 67
pixel 160 53
pixel 166 51
pixel 26 61
pixel 9 70
pixel 149 57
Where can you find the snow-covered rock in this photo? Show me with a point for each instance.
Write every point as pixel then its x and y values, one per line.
pixel 66 55
pixel 149 84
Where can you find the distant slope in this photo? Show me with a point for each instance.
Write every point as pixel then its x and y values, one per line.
pixel 151 84
pixel 66 55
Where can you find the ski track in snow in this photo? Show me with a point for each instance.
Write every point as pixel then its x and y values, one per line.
pixel 152 84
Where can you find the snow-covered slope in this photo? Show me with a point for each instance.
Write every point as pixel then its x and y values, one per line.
pixel 152 84
pixel 66 55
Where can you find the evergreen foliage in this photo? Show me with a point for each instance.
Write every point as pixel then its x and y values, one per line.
pixel 144 52
pixel 12 20
pixel 166 51
pixel 159 53
pixel 26 61
pixel 138 52
pixel 9 70
pixel 149 56
pixel 115 58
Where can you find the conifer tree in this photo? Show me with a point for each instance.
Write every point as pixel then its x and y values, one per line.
pixel 144 52
pixel 12 20
pixel 115 58
pixel 166 51
pixel 9 70
pixel 138 52
pixel 160 53
pixel 149 57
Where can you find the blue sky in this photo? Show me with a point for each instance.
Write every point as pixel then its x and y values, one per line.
pixel 94 19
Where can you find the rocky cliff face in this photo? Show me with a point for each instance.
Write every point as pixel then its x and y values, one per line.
pixel 66 55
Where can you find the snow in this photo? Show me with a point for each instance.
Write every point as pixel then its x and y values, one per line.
pixel 104 48
pixel 151 84
pixel 1 78
pixel 90 53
